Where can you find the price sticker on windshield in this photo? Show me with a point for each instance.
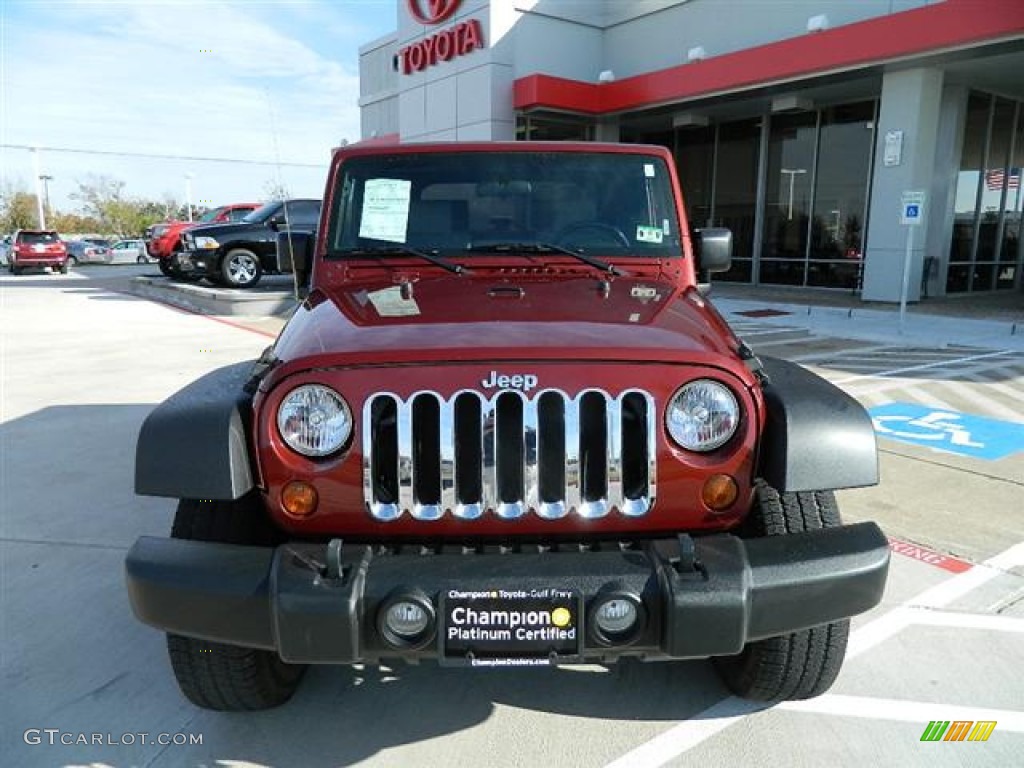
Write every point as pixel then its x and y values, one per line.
pixel 649 235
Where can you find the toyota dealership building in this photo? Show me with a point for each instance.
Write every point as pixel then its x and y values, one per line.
pixel 822 132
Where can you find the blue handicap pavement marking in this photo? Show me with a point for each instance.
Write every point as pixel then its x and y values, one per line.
pixel 949 431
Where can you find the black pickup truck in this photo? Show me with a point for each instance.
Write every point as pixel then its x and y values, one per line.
pixel 237 254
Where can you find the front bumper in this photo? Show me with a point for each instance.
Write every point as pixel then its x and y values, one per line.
pixel 205 262
pixel 320 603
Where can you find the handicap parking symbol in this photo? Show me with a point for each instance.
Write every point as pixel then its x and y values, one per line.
pixel 960 433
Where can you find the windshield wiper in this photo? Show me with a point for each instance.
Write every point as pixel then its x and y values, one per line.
pixel 541 247
pixel 402 250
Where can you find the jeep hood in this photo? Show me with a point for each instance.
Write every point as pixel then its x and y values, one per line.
pixel 479 317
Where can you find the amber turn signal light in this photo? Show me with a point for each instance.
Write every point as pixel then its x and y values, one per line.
pixel 299 499
pixel 719 492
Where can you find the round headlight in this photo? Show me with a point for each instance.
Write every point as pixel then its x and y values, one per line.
pixel 314 420
pixel 702 415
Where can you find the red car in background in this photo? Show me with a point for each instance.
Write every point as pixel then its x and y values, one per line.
pixel 37 248
pixel 163 239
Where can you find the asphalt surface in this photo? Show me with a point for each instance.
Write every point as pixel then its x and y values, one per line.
pixel 82 363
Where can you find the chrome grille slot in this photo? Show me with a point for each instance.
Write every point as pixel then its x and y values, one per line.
pixel 509 455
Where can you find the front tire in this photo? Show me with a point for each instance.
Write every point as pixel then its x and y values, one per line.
pixel 803 664
pixel 217 675
pixel 63 268
pixel 241 268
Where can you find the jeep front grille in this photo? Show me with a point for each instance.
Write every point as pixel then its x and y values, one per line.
pixel 550 455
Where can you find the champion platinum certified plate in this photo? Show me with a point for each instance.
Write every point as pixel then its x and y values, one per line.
pixel 511 627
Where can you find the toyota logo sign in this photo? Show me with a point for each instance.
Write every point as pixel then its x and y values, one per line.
pixel 433 11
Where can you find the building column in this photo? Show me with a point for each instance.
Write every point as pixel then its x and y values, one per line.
pixel 911 103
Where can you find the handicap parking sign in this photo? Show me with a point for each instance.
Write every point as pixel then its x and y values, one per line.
pixel 960 433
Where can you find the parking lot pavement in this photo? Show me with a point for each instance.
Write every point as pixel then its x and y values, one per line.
pixel 945 645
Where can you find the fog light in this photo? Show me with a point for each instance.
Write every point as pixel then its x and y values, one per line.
pixel 719 492
pixel 406 619
pixel 616 616
pixel 299 499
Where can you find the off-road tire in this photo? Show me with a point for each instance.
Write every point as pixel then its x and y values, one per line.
pixel 165 267
pixel 802 664
pixel 216 675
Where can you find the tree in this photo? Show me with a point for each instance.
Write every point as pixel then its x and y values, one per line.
pixel 103 198
pixel 18 209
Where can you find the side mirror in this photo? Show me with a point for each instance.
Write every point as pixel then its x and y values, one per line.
pixel 295 254
pixel 714 249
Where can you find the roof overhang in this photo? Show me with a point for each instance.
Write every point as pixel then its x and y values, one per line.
pixel 932 29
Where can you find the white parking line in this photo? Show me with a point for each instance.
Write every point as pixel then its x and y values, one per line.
pixel 967 620
pixel 688 734
pixel 926 366
pixel 906 711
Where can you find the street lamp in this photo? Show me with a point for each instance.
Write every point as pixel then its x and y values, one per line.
pixel 793 173
pixel 39 191
pixel 188 194
pixel 46 179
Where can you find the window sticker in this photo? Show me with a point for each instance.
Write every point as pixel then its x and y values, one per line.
pixel 385 213
pixel 389 302
pixel 666 227
pixel 649 170
pixel 649 235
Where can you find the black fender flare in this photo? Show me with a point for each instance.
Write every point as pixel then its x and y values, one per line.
pixel 194 445
pixel 816 437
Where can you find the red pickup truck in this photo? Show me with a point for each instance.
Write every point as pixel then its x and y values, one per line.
pixel 164 239
pixel 505 428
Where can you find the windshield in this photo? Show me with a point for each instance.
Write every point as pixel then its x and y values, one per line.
pixel 262 213
pixel 211 215
pixel 616 205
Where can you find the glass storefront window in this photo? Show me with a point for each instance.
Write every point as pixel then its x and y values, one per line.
pixel 695 159
pixel 791 150
pixel 985 250
pixel 538 128
pixel 840 199
pixel 735 201
pixel 1010 251
pixel 966 204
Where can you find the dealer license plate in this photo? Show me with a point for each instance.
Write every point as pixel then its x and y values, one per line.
pixel 511 627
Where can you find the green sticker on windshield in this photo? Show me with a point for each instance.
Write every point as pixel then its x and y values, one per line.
pixel 649 235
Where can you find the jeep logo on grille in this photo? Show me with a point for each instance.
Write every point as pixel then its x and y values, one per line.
pixel 523 381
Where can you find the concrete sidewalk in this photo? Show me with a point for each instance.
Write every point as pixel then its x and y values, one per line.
pixel 983 321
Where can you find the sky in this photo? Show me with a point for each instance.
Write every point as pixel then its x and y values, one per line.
pixel 274 82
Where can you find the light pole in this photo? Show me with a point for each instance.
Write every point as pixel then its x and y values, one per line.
pixel 188 194
pixel 46 179
pixel 793 173
pixel 39 191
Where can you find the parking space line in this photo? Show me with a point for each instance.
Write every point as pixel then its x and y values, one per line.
pixel 922 712
pixel 963 620
pixel 991 405
pixel 925 366
pixel 690 733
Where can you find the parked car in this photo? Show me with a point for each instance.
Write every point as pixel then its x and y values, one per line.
pixel 163 239
pixel 87 252
pixel 128 252
pixel 505 429
pixel 37 248
pixel 237 255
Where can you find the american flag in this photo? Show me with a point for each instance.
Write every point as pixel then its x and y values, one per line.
pixel 994 178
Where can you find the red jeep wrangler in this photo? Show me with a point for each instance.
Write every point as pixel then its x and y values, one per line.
pixel 164 239
pixel 505 428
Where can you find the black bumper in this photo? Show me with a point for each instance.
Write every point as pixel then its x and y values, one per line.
pixel 703 597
